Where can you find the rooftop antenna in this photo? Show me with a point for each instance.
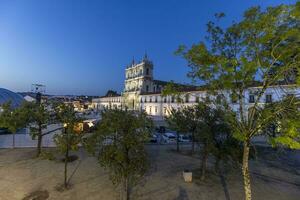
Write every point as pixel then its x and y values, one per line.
pixel 38 89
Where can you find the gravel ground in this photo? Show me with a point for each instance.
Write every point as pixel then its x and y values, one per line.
pixel 275 176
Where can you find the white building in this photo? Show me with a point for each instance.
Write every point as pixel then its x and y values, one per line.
pixel 29 98
pixel 108 102
pixel 138 80
pixel 142 92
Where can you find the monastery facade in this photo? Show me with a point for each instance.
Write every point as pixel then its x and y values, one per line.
pixel 143 92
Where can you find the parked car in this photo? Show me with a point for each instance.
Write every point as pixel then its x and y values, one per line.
pixel 184 138
pixel 153 138
pixel 3 131
pixel 169 138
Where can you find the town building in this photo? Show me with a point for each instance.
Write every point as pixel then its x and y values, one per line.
pixel 143 92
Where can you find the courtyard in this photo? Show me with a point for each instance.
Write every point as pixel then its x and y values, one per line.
pixel 275 175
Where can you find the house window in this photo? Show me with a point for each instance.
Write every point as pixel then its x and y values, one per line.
pixel 150 99
pixel 251 98
pixel 147 71
pixel 155 109
pixel 156 99
pixel 147 88
pixel 141 100
pixel 172 99
pixel 197 99
pixel 268 98
pixel 165 100
pixel 145 99
pixel 154 89
pixel 150 110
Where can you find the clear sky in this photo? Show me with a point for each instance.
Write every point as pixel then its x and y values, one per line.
pixel 83 46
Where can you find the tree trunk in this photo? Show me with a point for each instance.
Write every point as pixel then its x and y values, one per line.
pixel 217 165
pixel 66 159
pixel 193 143
pixel 204 161
pixel 39 145
pixel 14 140
pixel 127 189
pixel 177 142
pixel 66 168
pixel 245 169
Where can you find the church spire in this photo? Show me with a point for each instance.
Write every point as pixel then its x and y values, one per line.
pixel 145 56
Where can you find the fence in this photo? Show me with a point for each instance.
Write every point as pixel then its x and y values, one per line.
pixel 25 140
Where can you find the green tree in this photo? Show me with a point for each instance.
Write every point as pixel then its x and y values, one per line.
pixel 70 137
pixel 181 120
pixel 263 50
pixel 120 140
pixel 208 124
pixel 177 121
pixel 214 133
pixel 39 117
pixel 13 119
pixel 191 123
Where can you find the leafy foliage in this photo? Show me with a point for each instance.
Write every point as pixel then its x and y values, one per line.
pixel 12 119
pixel 178 120
pixel 120 140
pixel 70 138
pixel 261 50
pixel 39 118
pixel 209 124
pixel 286 121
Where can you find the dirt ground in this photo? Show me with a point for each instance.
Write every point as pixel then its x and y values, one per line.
pixel 275 176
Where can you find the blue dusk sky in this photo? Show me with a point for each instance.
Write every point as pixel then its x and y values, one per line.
pixel 83 46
